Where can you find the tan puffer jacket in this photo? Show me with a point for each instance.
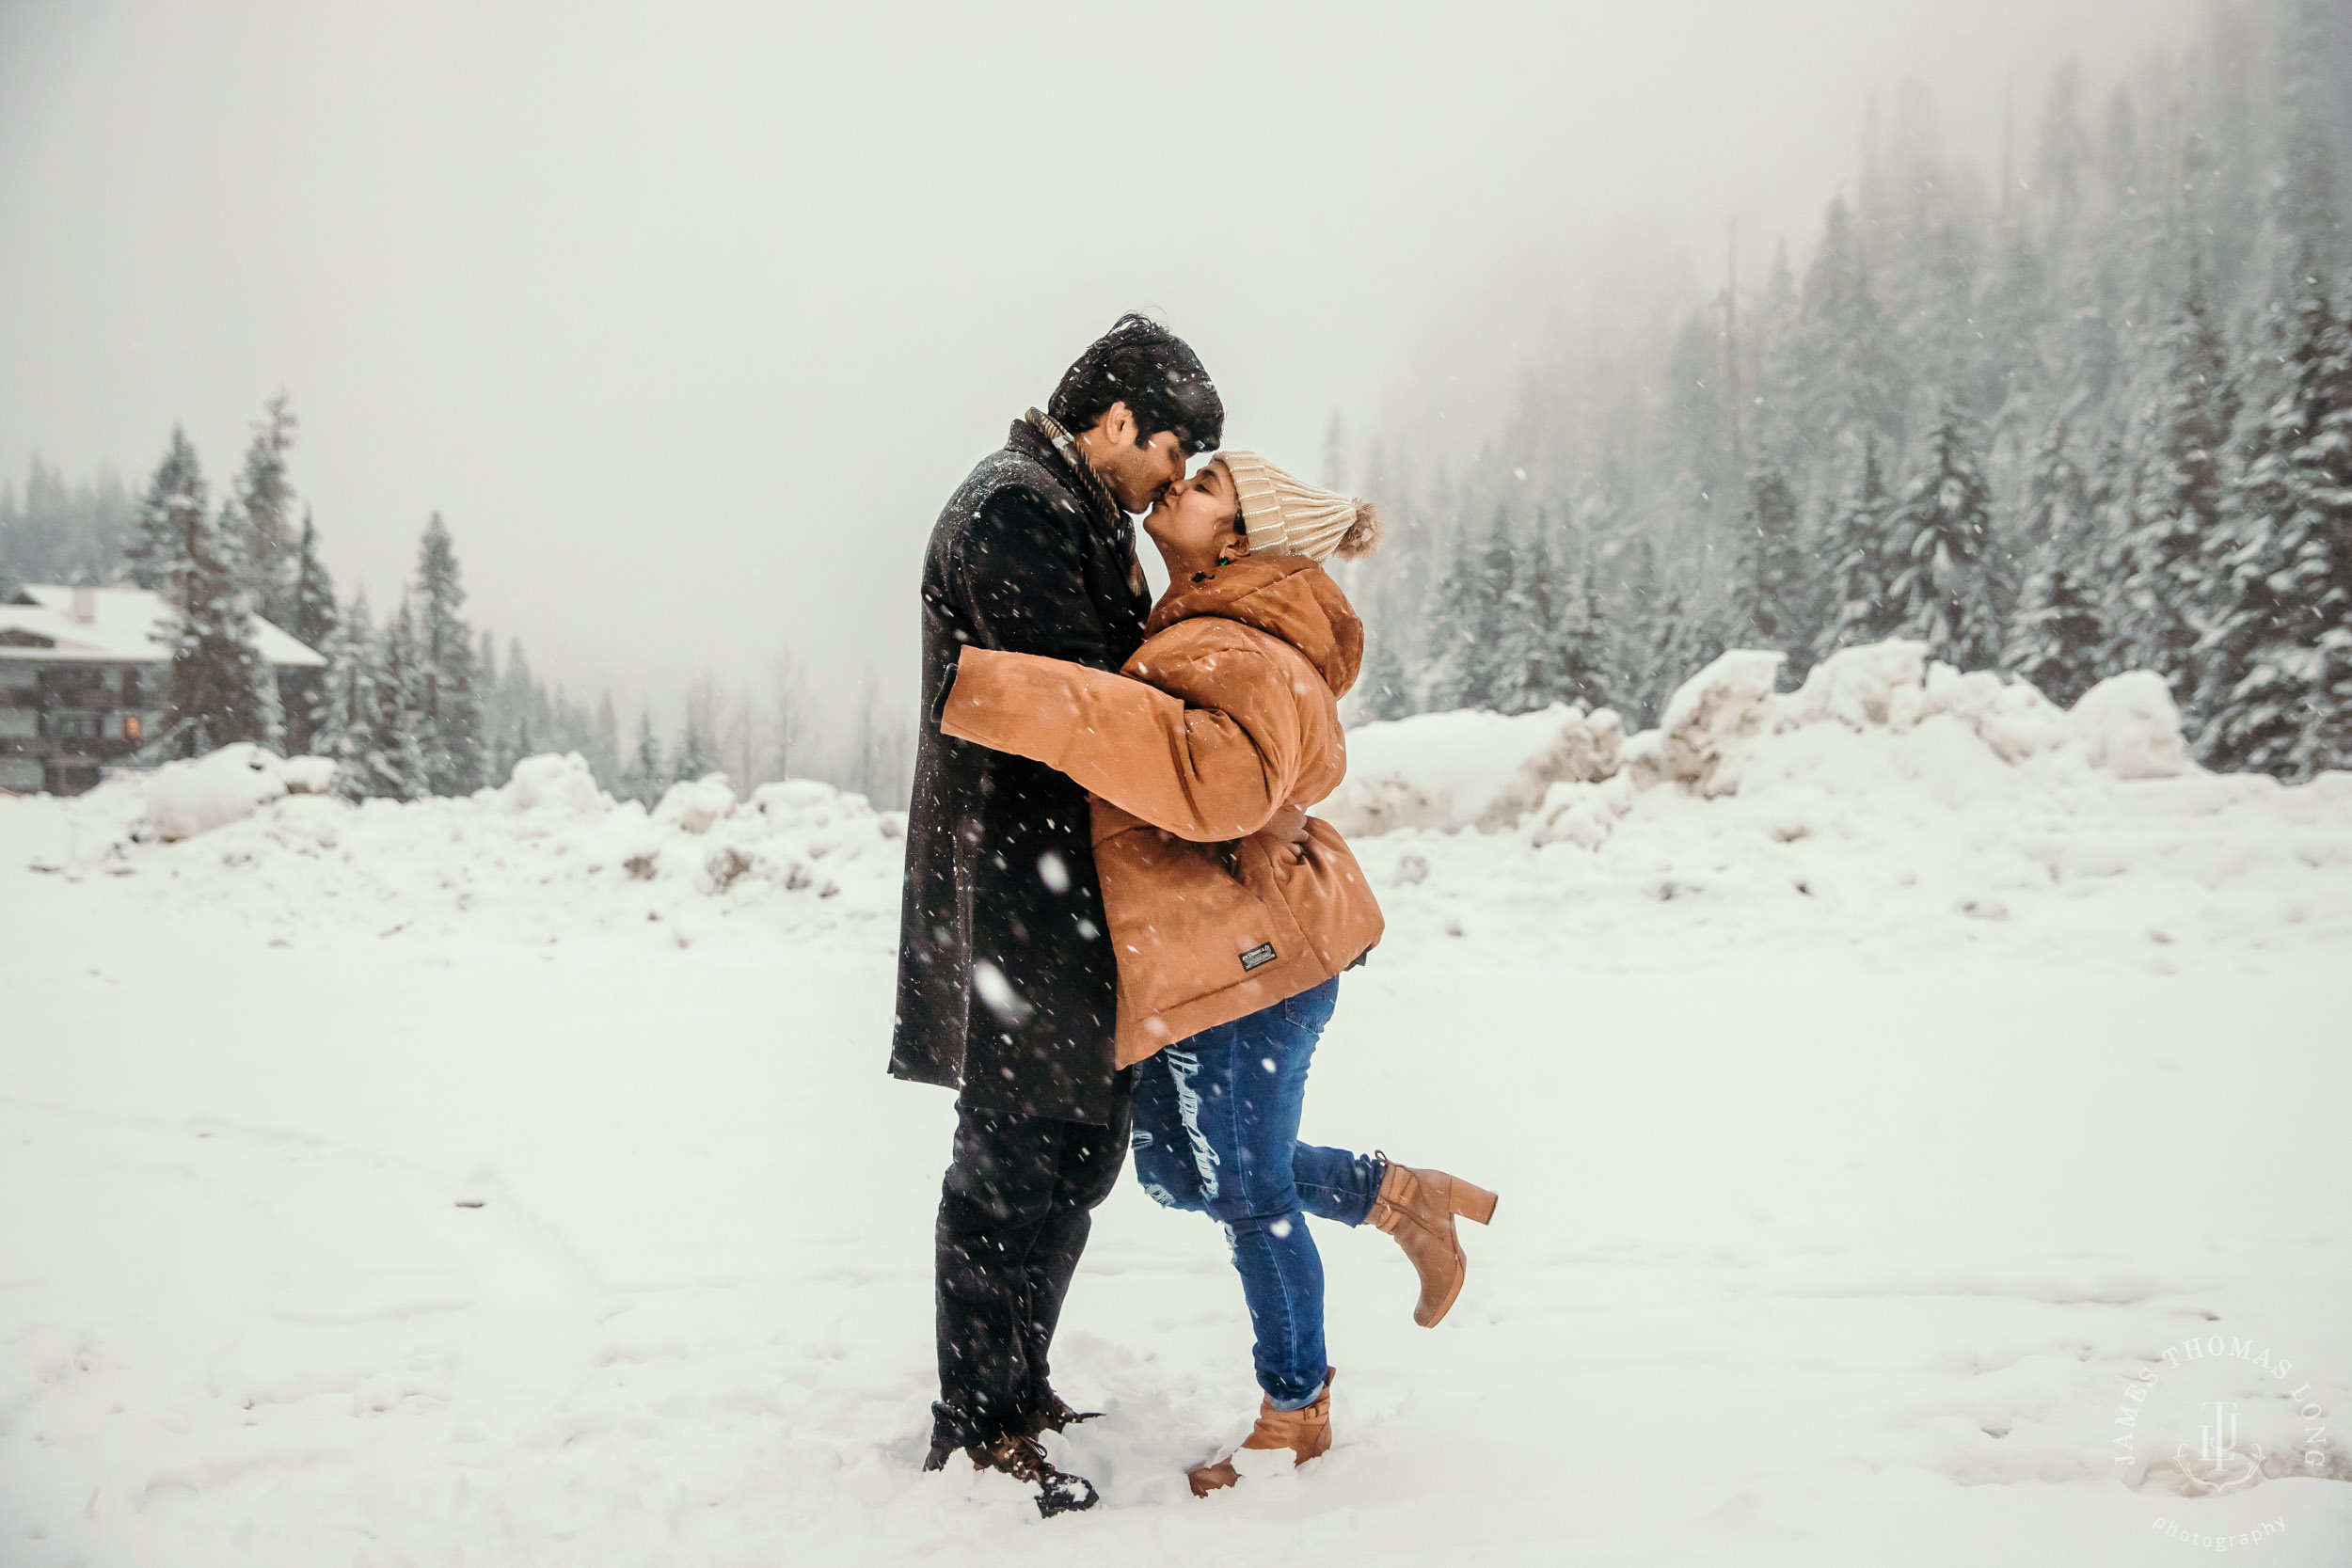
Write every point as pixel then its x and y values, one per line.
pixel 1227 714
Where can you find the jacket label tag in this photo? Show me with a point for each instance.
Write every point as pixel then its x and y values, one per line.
pixel 1258 956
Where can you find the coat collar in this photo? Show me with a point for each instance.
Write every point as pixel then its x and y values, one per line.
pixel 1286 596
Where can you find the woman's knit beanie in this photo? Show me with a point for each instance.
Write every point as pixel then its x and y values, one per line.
pixel 1283 515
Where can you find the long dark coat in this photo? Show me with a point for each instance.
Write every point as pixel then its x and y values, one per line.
pixel 1008 988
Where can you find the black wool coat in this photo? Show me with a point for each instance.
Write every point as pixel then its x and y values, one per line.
pixel 1007 986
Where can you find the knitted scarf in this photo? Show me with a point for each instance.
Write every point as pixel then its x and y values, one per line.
pixel 1108 515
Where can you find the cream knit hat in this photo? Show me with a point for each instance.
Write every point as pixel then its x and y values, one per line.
pixel 1284 516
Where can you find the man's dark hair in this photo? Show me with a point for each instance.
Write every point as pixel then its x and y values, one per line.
pixel 1156 374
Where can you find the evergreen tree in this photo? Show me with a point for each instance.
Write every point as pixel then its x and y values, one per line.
pixel 604 747
pixel 68 534
pixel 1943 528
pixel 788 716
pixel 1382 692
pixel 1457 614
pixel 449 733
pixel 1586 660
pixel 220 685
pixel 697 745
pixel 312 619
pixel 497 729
pixel 267 498
pixel 2272 674
pixel 643 780
pixel 2059 636
pixel 1523 659
pixel 1767 582
pixel 347 728
pixel 2165 588
pixel 1863 563
pixel 173 510
pixel 517 705
pixel 394 757
pixel 1494 587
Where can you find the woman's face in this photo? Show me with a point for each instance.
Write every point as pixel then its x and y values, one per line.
pixel 1198 518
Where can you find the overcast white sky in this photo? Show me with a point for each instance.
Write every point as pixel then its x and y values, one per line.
pixel 688 318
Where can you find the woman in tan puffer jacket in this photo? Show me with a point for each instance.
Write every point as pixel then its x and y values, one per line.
pixel 1232 912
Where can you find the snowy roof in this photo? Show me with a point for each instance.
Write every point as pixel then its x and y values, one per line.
pixel 123 626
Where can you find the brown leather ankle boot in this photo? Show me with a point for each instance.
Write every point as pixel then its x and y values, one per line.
pixel 1306 1431
pixel 1417 1207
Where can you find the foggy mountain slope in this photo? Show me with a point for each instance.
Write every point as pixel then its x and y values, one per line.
pixel 2079 413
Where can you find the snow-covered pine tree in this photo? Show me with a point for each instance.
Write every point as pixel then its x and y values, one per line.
pixel 497 732
pixel 789 723
pixel 395 765
pixel 2058 635
pixel 1941 530
pixel 604 750
pixel 1587 661
pixel 269 701
pixel 267 498
pixel 2270 665
pixel 643 780
pixel 347 727
pixel 1451 657
pixel 220 685
pixel 1768 587
pixel 518 735
pixel 1524 659
pixel 1494 580
pixel 312 619
pixel 2167 590
pixel 1381 692
pixel 697 744
pixel 449 731
pixel 1861 563
pixel 174 509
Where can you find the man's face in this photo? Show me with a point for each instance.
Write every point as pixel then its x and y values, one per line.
pixel 1137 476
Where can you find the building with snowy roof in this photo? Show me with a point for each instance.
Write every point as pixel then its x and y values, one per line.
pixel 85 677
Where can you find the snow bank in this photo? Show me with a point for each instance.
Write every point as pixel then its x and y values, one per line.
pixel 1469 768
pixel 242 827
pixel 1726 726
pixel 186 798
pixel 2128 725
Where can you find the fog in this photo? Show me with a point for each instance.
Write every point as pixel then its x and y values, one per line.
pixel 687 323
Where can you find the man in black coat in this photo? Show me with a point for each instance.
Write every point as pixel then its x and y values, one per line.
pixel 1007 981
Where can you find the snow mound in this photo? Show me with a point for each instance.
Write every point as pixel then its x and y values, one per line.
pixel 186 798
pixel 1725 729
pixel 1708 714
pixel 1467 768
pixel 696 807
pixel 2128 725
pixel 550 846
pixel 563 784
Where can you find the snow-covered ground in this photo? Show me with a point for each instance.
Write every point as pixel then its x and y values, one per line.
pixel 1879 1083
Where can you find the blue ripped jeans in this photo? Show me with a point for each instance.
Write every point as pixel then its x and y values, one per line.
pixel 1217 1130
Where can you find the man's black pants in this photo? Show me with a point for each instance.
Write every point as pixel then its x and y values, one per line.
pixel 1013 1217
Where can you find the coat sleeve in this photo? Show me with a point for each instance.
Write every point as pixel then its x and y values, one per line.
pixel 1023 583
pixel 1202 773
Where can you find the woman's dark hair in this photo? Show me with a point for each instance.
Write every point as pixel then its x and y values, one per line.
pixel 1156 374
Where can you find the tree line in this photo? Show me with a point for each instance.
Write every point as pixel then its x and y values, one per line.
pixel 2098 417
pixel 413 701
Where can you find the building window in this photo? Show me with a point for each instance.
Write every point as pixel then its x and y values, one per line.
pixel 130 721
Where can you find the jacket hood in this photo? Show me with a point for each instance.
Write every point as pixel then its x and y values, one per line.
pixel 1286 596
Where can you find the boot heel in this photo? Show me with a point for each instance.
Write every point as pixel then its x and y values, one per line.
pixel 1475 1204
